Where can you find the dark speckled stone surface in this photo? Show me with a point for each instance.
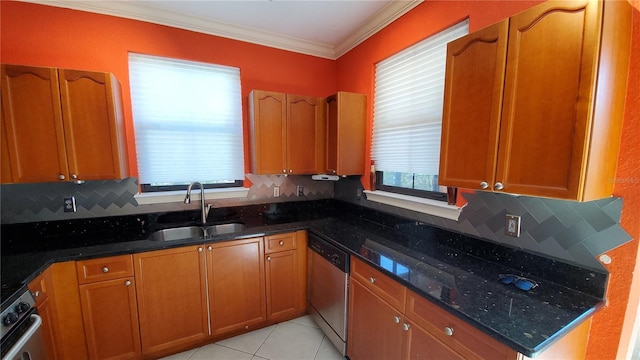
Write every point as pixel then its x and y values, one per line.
pixel 456 272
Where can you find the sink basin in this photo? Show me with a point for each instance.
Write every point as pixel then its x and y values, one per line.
pixel 180 233
pixel 196 232
pixel 224 229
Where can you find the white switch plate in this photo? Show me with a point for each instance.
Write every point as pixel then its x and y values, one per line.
pixel 276 191
pixel 512 225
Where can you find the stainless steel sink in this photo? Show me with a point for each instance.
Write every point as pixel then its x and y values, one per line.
pixel 179 233
pixel 224 229
pixel 196 232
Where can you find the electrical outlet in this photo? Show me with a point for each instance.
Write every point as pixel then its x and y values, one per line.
pixel 70 204
pixel 276 191
pixel 300 190
pixel 512 225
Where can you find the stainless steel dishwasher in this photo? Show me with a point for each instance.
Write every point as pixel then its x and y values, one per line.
pixel 328 289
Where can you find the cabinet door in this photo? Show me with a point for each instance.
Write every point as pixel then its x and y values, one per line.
pixel 282 284
pixel 548 98
pixel 268 112
pixel 345 133
pixel 374 330
pixel 90 124
pixel 236 285
pixel 472 107
pixel 32 124
pixel 172 298
pixel 303 120
pixel 110 317
pixel 420 344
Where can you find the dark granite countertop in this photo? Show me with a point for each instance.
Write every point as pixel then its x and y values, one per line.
pixel 456 272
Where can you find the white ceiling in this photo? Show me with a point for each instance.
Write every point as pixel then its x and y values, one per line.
pixel 324 28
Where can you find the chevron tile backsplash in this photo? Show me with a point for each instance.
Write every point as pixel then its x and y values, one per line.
pixel 22 203
pixel 573 232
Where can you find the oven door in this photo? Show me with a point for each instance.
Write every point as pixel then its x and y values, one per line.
pixel 26 343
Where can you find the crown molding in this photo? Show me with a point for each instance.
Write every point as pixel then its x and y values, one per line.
pixel 154 15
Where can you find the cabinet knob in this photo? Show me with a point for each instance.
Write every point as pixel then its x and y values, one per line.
pixel 127 283
pixel 498 186
pixel 372 280
pixel 210 248
pixel 396 319
pixel 74 176
pixel 281 243
pixel 484 185
pixel 199 249
pixel 290 171
pixel 105 269
pixel 268 258
pixel 284 171
pixel 61 177
pixel 405 327
pixel 36 294
pixel 448 331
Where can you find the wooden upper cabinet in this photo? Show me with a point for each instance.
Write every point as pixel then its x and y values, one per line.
pixel 472 107
pixel 345 133
pixel 32 123
pixel 61 125
pixel 285 137
pixel 563 103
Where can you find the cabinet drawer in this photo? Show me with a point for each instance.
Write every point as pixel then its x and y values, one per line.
pixel 104 269
pixel 280 242
pixel 463 338
pixel 382 285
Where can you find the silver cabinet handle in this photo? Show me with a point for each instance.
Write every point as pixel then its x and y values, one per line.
pixel 396 319
pixel 61 177
pixel 74 176
pixel 290 171
pixel 199 249
pixel 36 294
pixel 284 171
pixel 281 243
pixel 405 327
pixel 210 248
pixel 127 283
pixel 484 185
pixel 372 280
pixel 268 258
pixel 498 186
pixel 448 331
pixel 105 269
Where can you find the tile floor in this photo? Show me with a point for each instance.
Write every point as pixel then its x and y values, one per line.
pixel 297 339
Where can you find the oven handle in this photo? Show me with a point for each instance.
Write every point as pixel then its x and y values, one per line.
pixel 15 350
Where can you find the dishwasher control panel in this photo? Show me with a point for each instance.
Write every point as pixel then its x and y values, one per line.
pixel 339 258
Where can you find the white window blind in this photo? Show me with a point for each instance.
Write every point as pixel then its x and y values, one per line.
pixel 408 102
pixel 188 121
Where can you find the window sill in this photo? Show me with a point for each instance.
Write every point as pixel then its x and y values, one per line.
pixel 178 196
pixel 425 206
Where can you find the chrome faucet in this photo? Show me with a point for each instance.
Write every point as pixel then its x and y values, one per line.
pixel 203 208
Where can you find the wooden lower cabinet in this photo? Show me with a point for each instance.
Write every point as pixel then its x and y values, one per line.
pixel 110 316
pixel 172 299
pixel 286 274
pixel 41 288
pixel 373 332
pixel 236 285
pixel 421 344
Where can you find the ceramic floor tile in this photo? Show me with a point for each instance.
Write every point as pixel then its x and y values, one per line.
pixel 304 320
pixel 217 352
pixel 181 356
pixel 291 341
pixel 249 342
pixel 328 351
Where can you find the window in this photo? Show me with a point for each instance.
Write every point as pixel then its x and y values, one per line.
pixel 188 123
pixel 407 116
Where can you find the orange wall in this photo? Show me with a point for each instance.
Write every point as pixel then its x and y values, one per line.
pixel 48 36
pixel 356 71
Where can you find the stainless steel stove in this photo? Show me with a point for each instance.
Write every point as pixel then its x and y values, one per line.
pixel 20 330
